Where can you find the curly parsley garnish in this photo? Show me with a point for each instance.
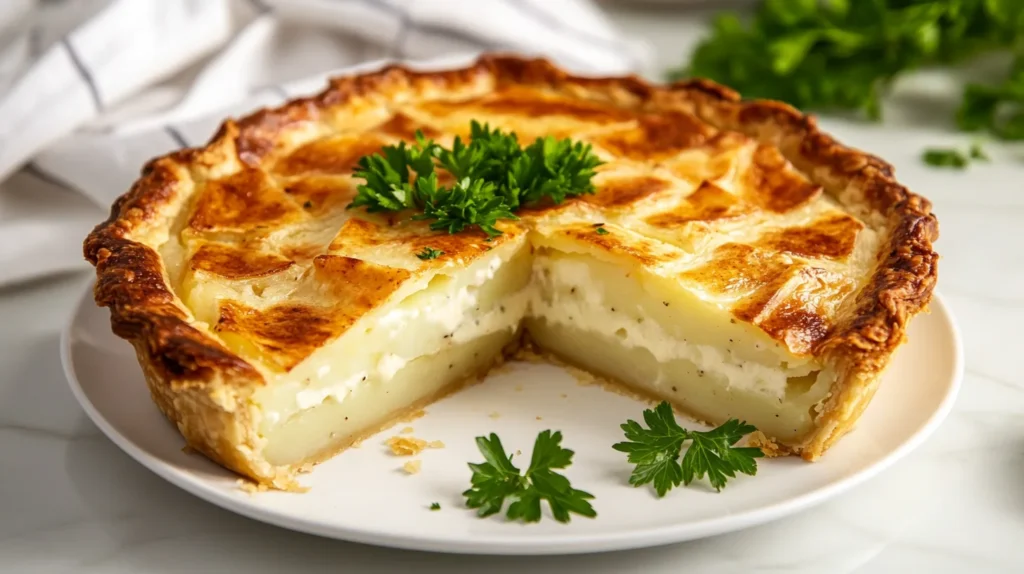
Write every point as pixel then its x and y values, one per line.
pixel 469 202
pixel 429 253
pixel 498 479
pixel 494 176
pixel 435 506
pixel 843 54
pixel 655 451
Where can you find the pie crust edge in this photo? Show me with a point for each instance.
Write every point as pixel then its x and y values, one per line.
pixel 202 387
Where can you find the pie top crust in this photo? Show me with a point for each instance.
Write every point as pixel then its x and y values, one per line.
pixel 746 203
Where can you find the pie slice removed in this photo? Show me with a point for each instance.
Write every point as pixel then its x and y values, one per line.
pixel 734 260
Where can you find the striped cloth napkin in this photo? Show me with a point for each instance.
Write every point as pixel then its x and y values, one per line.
pixel 91 89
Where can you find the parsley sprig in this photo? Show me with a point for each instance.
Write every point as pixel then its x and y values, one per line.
pixel 843 54
pixel 655 451
pixel 953 158
pixel 429 253
pixel 494 176
pixel 498 479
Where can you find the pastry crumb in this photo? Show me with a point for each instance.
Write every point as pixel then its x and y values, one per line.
pixel 769 447
pixel 519 452
pixel 538 418
pixel 407 430
pixel 411 416
pixel 412 467
pixel 405 445
pixel 583 378
pixel 519 388
pixel 251 487
pixel 565 396
pixel 494 415
pixel 435 444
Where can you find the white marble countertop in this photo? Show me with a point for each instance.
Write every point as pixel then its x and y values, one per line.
pixel 71 501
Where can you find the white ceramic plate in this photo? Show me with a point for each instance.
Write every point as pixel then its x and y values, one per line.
pixel 363 495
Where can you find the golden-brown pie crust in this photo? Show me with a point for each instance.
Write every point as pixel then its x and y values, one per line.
pixel 203 387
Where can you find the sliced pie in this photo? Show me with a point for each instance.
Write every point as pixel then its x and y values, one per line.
pixel 734 260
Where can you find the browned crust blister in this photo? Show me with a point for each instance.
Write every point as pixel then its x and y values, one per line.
pixel 198 382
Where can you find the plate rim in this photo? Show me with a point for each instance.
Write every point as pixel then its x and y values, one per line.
pixel 536 545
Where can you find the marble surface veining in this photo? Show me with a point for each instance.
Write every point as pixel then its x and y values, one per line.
pixel 71 501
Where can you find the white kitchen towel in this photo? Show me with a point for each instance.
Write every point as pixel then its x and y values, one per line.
pixel 91 89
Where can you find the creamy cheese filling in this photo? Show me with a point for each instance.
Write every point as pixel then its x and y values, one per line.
pixel 467 327
pixel 489 297
pixel 449 311
pixel 693 347
pixel 568 293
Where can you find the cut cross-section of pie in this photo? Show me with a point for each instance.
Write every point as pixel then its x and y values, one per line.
pixel 734 260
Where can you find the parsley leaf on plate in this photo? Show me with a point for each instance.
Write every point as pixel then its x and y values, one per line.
pixel 494 176
pixel 655 451
pixel 497 479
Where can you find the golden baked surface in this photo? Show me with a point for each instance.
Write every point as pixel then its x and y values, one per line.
pixel 726 214
pixel 746 204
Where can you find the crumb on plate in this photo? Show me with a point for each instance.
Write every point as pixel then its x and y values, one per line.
pixel 406 445
pixel 250 486
pixel 768 446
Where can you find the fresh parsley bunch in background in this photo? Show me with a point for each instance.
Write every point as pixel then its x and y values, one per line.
pixel 842 54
